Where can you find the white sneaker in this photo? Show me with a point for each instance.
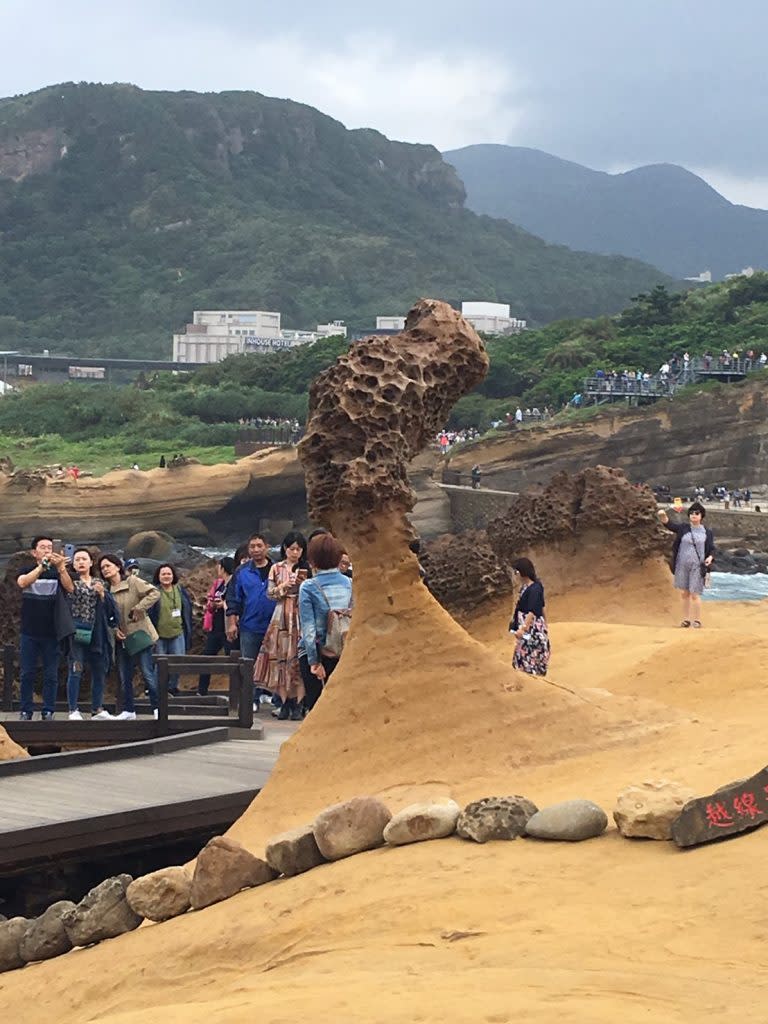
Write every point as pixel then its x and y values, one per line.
pixel 155 713
pixel 102 716
pixel 75 716
pixel 126 716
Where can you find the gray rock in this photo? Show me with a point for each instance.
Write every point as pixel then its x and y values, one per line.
pixel 161 894
pixel 293 852
pixel 419 822
pixel 351 827
pixel 223 868
pixel 102 914
pixel 46 936
pixel 569 821
pixel 495 817
pixel 11 934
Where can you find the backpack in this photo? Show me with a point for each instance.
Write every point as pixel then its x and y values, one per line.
pixel 336 629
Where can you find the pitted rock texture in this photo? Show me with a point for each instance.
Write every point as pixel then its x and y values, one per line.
pixel 648 810
pixel 495 817
pixel 381 404
pixel 294 852
pixel 464 583
pixel 351 827
pixel 598 499
pixel 11 934
pixel 161 894
pixel 223 868
pixel 46 936
pixel 102 914
pixel 570 821
pixel 419 822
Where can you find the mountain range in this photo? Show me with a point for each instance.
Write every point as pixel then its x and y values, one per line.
pixel 662 213
pixel 122 210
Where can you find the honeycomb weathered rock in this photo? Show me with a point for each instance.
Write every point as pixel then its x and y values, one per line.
pixel 379 405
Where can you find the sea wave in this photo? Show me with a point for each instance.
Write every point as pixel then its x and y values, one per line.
pixel 731 586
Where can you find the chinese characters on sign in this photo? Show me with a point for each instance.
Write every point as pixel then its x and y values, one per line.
pixel 733 809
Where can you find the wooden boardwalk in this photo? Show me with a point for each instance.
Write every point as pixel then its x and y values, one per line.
pixel 65 804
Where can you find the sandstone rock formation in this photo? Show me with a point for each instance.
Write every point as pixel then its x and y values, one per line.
pixel 11 934
pixel 223 868
pixel 648 809
pixel 161 894
pixel 463 572
pixel 123 501
pixel 9 750
pixel 495 817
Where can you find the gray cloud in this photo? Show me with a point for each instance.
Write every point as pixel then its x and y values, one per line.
pixel 602 82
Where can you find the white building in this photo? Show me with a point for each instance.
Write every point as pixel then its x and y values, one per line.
pixel 746 272
pixel 492 318
pixel 390 323
pixel 705 277
pixel 214 334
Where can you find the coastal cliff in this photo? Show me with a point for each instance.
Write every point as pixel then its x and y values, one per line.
pixel 716 436
pixel 191 501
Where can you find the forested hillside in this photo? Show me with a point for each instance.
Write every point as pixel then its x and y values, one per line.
pixel 662 213
pixel 123 210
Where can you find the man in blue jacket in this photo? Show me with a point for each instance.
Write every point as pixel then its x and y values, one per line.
pixel 249 610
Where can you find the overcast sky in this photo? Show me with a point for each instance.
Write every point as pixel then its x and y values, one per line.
pixel 608 83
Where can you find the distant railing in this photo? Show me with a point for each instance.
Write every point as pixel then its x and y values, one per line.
pixel 270 435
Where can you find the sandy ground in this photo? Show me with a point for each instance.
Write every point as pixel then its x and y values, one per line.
pixel 593 932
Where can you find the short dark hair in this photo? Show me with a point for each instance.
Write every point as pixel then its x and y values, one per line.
pixel 317 533
pixel 36 540
pixel 115 560
pixel 325 551
pixel 165 565
pixel 525 567
pixel 294 537
pixel 241 553
pixel 697 507
pixel 87 551
pixel 227 563
pixel 258 536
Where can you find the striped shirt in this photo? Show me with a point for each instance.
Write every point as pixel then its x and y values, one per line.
pixel 38 602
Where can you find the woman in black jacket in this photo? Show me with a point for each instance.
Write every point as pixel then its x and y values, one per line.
pixel 692 553
pixel 528 625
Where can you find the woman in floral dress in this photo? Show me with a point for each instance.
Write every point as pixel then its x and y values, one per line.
pixel 528 625
pixel 277 665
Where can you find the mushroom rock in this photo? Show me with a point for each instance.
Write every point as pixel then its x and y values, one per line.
pixel 416 708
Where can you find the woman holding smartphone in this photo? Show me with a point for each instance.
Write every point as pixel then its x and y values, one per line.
pixel 277 665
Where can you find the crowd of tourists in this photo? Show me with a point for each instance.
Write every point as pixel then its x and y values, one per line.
pixel 289 615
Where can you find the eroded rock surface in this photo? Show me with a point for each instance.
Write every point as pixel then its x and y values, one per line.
pixel 647 810
pixel 495 817
pixel 46 936
pixel 161 894
pixel 351 827
pixel 419 822
pixel 223 868
pixel 102 914
pixel 378 406
pixel 294 852
pixel 11 934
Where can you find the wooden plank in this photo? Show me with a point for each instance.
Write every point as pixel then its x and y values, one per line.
pixel 9 660
pixel 118 752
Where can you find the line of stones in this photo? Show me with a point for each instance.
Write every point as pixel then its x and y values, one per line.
pixel 224 867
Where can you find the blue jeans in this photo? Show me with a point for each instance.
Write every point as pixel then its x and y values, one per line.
pixel 172 645
pixel 81 656
pixel 250 643
pixel 126 664
pixel 32 650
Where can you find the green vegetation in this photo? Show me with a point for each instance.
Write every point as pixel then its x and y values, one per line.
pixel 97 425
pixel 133 208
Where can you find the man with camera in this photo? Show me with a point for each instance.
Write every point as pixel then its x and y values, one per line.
pixel 44 583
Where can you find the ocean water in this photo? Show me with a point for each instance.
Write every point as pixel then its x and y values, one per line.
pixel 730 586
